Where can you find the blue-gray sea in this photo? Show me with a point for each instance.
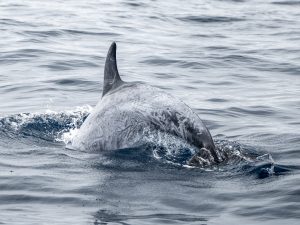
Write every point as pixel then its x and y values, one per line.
pixel 236 63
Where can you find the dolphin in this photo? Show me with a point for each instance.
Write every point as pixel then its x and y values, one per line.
pixel 130 111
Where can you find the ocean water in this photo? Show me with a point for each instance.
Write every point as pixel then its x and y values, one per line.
pixel 235 62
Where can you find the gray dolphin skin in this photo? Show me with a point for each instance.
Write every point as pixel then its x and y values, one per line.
pixel 130 112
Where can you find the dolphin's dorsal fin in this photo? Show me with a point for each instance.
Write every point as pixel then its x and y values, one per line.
pixel 112 78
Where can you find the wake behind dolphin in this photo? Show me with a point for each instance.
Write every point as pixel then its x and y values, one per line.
pixel 131 112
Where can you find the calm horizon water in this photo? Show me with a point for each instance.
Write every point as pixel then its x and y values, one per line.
pixel 236 63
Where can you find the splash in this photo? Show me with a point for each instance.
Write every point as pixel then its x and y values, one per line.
pixel 233 156
pixel 174 150
pixel 168 148
pixel 51 125
pixel 165 148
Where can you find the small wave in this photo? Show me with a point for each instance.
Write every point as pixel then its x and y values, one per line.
pixel 71 82
pixel 160 61
pixel 44 34
pixel 68 65
pixel 210 19
pixel 254 110
pixel 21 198
pixel 92 33
pixel 217 100
pixel 106 216
pixel 21 55
pixel 12 22
pixel 290 3
pixel 64 32
pixel 135 4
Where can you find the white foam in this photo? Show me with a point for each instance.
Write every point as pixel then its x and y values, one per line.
pixel 67 136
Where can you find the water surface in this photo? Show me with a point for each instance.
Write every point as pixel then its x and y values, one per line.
pixel 236 63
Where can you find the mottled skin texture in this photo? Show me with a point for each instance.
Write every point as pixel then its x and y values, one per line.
pixel 128 112
pixel 122 117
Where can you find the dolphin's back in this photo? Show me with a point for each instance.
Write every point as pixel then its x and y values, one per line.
pixel 124 116
pixel 128 113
